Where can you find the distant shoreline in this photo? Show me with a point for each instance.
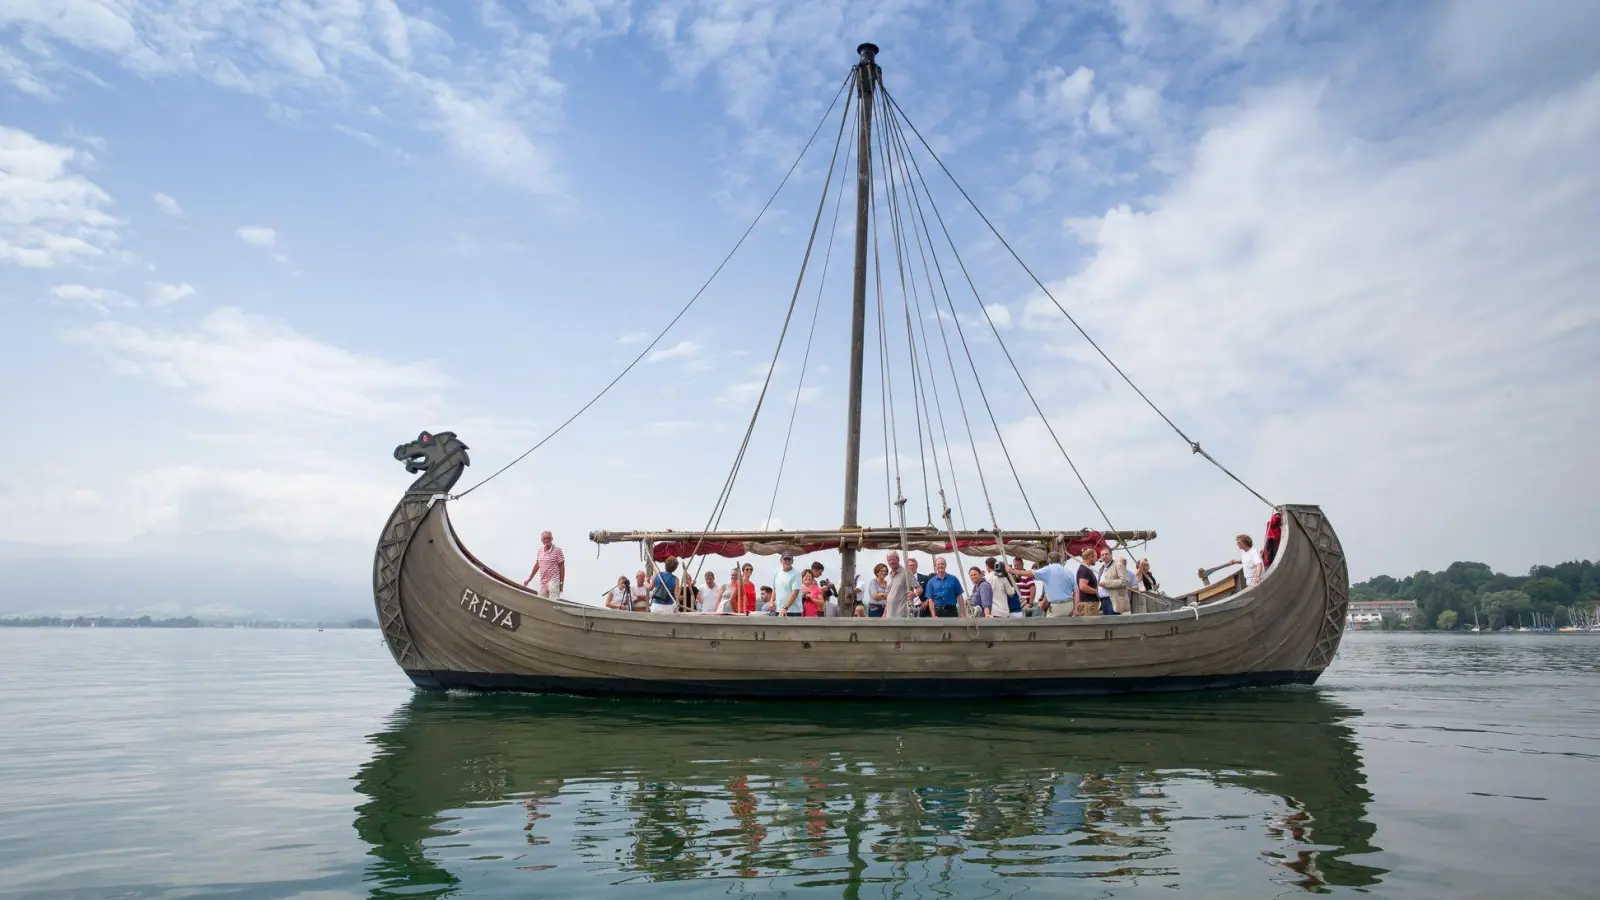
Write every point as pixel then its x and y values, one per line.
pixel 1462 631
pixel 179 622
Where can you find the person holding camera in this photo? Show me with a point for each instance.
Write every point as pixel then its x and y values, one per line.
pixel 830 592
pixel 1002 588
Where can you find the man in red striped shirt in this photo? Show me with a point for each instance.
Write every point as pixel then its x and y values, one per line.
pixel 551 567
pixel 1024 580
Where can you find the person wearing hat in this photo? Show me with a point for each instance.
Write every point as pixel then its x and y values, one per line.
pixel 786 588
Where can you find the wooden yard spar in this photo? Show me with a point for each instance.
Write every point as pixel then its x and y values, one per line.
pixel 451 622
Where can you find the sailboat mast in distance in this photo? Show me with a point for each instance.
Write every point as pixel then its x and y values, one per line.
pixel 866 85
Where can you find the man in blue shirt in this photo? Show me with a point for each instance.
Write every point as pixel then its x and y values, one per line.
pixel 944 592
pixel 786 587
pixel 1059 585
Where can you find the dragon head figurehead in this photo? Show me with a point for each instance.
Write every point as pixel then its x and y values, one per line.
pixel 436 459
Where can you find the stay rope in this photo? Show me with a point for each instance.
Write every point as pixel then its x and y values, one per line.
pixel 977 379
pixel 926 359
pixel 918 401
pixel 912 187
pixel 805 358
pixel 822 203
pixel 885 376
pixel 1194 446
pixel 650 347
pixel 933 204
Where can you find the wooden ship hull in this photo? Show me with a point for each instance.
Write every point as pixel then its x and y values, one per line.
pixel 453 623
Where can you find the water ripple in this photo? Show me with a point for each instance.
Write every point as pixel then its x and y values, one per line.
pixel 257 764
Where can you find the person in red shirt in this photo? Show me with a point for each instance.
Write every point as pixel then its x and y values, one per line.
pixel 744 592
pixel 1274 537
pixel 810 594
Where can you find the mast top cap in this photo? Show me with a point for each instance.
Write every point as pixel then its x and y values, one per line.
pixel 867 52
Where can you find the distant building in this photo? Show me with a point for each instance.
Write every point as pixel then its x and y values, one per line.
pixel 1371 612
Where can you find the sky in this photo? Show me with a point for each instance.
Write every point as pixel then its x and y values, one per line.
pixel 247 248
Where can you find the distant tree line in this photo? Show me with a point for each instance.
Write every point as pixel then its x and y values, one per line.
pixel 149 622
pixel 98 622
pixel 1559 595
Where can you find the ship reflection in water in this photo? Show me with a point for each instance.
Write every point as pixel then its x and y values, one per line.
pixel 1237 795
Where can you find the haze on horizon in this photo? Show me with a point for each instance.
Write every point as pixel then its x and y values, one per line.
pixel 1350 250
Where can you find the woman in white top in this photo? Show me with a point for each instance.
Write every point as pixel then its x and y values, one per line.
pixel 724 603
pixel 1250 558
pixel 878 592
pixel 621 596
pixel 641 592
pixel 1002 586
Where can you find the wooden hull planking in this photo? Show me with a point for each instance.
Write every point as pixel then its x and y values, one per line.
pixel 452 623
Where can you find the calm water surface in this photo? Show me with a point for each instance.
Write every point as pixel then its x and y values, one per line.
pixel 265 764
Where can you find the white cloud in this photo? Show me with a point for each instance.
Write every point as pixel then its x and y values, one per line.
pixel 741 393
pixel 258 236
pixel 1228 26
pixel 163 294
pixel 145 510
pixel 1099 118
pixel 999 314
pixel 23 76
pixel 264 238
pixel 265 372
pixel 168 205
pixel 1332 318
pixel 491 99
pixel 685 350
pixel 1054 94
pixel 479 129
pixel 633 337
pixel 269 500
pixel 671 427
pixel 98 299
pixel 1075 89
pixel 49 216
pixel 1140 106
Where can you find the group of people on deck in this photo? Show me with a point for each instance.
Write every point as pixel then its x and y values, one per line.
pixel 1098 584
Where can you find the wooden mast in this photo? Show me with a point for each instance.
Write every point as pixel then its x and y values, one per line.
pixel 866 85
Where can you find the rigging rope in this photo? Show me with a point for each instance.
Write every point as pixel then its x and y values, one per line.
pixel 794 298
pixel 805 359
pixel 978 379
pixel 960 401
pixel 1014 368
pixel 849 79
pixel 918 403
pixel 1194 446
pixel 926 358
pixel 885 376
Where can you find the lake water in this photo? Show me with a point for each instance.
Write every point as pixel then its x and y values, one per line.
pixel 265 764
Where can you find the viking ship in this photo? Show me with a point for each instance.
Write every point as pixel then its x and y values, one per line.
pixel 453 622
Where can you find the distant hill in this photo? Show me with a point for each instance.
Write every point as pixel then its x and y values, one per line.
pixel 164 587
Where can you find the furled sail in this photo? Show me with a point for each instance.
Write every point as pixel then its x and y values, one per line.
pixel 1033 546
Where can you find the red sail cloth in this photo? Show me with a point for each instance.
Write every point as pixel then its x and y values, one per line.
pixel 682 549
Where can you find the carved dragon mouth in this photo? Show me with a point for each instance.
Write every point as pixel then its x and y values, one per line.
pixel 415 458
